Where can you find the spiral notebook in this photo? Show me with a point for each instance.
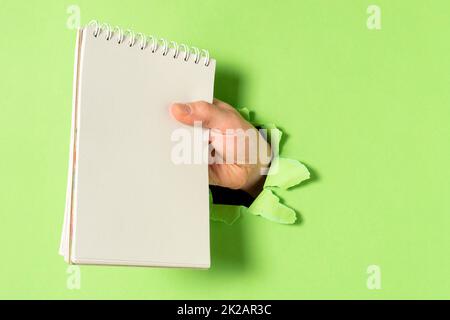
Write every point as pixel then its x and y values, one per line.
pixel 127 202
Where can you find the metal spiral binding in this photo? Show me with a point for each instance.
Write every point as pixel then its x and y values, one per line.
pixel 150 41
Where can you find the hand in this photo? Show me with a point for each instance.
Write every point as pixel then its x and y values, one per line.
pixel 236 172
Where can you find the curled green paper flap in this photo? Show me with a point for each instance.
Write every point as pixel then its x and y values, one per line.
pixel 226 213
pixel 286 173
pixel 267 205
pixel 273 137
pixel 210 199
pixel 245 113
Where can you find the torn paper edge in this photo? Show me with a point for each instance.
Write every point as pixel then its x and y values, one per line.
pixel 268 214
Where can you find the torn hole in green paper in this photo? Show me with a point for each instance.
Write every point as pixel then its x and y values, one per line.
pixel 268 206
pixel 285 173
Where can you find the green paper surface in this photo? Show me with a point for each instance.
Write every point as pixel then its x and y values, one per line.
pixel 286 173
pixel 226 213
pixel 268 206
pixel 367 110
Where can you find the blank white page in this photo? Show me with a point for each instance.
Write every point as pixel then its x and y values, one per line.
pixel 132 205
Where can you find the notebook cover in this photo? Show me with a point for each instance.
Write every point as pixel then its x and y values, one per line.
pixel 132 205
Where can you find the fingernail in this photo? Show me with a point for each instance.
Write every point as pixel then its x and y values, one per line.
pixel 181 108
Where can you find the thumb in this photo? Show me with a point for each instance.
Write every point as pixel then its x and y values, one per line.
pixel 209 114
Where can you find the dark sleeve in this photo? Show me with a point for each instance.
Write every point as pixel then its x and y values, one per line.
pixel 223 195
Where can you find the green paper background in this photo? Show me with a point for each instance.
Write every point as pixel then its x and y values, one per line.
pixel 368 112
